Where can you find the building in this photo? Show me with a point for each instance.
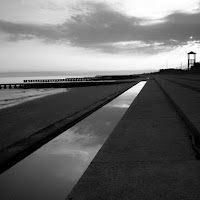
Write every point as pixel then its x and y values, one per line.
pixel 195 67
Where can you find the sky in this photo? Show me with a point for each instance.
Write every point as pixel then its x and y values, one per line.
pixel 97 35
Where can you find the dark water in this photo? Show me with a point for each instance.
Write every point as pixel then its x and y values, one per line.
pixel 51 172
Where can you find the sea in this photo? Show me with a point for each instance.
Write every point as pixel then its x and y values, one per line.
pixel 12 97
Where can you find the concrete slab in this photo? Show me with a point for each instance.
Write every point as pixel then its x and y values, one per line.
pixel 141 181
pixel 147 140
pixel 185 99
pixel 191 84
pixel 147 156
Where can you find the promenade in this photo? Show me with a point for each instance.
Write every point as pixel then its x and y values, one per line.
pixel 153 153
pixel 27 126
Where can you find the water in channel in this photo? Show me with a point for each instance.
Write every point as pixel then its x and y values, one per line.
pixel 52 171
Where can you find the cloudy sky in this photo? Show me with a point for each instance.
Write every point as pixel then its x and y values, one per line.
pixel 101 35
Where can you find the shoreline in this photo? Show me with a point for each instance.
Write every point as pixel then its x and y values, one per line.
pixel 15 97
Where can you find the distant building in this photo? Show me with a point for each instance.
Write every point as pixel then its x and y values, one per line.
pixel 195 67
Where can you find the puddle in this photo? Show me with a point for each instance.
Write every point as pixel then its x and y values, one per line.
pixel 53 170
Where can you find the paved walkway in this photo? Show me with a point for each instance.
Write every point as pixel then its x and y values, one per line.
pixel 188 83
pixel 148 156
pixel 185 96
pixel 26 127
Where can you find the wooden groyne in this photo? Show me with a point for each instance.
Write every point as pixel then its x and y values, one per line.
pixel 45 84
pixel 153 153
pixel 57 84
pixel 11 86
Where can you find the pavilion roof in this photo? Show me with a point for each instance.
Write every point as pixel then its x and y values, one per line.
pixel 191 52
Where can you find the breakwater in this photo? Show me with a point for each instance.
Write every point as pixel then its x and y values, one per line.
pixel 46 84
pixel 69 82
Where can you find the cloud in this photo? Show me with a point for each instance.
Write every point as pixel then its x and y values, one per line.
pixel 29 31
pixel 178 26
pixel 108 30
pixel 102 25
pixel 156 9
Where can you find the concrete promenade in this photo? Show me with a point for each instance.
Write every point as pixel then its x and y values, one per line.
pixel 152 154
pixel 185 96
pixel 27 126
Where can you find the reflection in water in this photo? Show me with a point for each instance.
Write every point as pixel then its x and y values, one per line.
pixel 52 171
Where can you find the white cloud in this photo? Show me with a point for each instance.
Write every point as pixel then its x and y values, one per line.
pixel 132 44
pixel 156 9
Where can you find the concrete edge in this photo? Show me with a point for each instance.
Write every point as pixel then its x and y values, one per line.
pixel 195 136
pixel 21 149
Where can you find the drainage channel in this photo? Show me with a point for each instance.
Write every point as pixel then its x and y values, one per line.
pixel 53 170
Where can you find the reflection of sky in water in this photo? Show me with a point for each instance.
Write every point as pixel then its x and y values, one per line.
pixel 126 99
pixel 52 171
